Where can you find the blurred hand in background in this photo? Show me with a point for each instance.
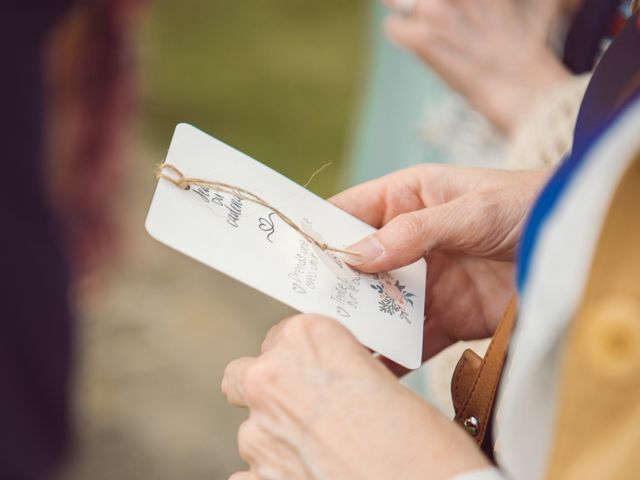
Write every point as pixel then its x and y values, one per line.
pixel 465 221
pixel 493 52
pixel 322 407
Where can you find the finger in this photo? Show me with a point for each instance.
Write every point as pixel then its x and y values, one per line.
pixel 248 438
pixel 232 386
pixel 411 236
pixel 429 10
pixel 273 335
pixel 399 243
pixel 266 452
pixel 376 201
pixel 541 14
pixel 365 201
pixel 445 51
pixel 479 223
pixel 409 33
pixel 484 17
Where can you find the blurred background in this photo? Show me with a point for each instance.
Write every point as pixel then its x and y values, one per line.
pixel 279 80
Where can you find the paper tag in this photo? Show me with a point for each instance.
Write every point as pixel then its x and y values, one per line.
pixel 252 244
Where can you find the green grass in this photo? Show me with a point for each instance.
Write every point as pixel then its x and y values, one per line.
pixel 278 79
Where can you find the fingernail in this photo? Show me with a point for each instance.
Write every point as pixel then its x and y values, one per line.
pixel 365 251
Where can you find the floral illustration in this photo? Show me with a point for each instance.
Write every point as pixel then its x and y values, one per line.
pixel 394 297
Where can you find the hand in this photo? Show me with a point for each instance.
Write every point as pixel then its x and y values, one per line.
pixel 492 52
pixel 465 221
pixel 321 407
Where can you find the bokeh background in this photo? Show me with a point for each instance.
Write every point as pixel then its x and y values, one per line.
pixel 280 80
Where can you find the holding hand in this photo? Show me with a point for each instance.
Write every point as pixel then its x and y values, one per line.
pixel 465 221
pixel 321 407
pixel 493 52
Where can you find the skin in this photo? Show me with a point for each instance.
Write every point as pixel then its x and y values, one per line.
pixel 320 406
pixel 492 52
pixel 465 222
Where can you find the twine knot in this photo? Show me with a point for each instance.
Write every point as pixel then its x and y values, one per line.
pixel 176 177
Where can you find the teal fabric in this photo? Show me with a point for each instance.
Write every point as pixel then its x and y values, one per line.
pixel 399 90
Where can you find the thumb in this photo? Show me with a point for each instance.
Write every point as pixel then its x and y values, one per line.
pixel 411 236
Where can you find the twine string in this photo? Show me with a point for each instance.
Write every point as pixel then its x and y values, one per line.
pixel 313 175
pixel 177 178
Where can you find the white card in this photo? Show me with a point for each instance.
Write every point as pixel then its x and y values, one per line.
pixel 253 245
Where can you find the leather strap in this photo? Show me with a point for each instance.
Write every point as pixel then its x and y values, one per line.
pixel 475 382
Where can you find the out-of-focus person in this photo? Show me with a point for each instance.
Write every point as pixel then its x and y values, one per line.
pixel 91 93
pixel 64 101
pixel 523 65
pixel 35 323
